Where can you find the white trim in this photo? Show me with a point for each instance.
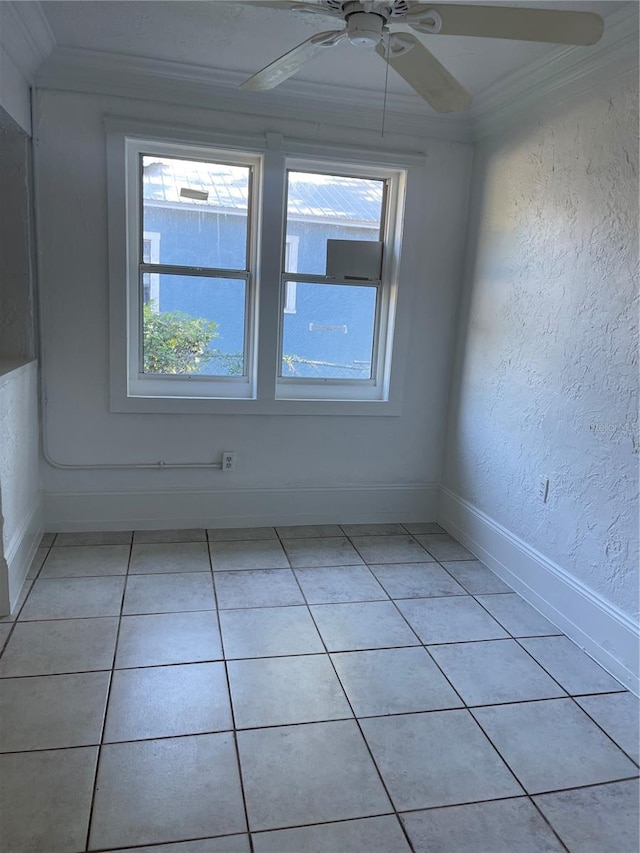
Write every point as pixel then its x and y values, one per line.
pixel 610 636
pixel 563 73
pixel 25 35
pixel 168 509
pixel 22 549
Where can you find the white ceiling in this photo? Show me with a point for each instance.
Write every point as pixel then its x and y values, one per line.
pixel 231 36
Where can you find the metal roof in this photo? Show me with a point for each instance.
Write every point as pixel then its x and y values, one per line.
pixel 317 196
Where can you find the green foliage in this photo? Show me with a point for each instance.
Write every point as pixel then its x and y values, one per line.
pixel 175 342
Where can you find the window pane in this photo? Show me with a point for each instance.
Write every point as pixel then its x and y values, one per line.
pixel 328 207
pixel 195 326
pixel 195 213
pixel 330 336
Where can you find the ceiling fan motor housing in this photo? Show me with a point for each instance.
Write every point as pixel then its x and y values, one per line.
pixel 365 28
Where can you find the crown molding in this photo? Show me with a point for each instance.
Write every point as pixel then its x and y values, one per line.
pixel 563 74
pixel 75 69
pixel 25 35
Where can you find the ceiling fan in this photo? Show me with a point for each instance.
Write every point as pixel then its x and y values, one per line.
pixel 387 25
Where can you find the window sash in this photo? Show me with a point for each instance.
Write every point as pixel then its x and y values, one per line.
pixel 140 384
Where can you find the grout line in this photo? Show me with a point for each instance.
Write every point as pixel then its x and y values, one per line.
pixel 106 706
pixel 231 707
pixel 357 722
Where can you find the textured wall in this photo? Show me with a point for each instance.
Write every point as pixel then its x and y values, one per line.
pixel 16 339
pixel 546 375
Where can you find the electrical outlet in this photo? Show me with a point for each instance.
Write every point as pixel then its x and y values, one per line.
pixel 228 460
pixel 543 492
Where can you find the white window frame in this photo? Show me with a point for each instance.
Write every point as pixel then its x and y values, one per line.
pixel 377 387
pixel 141 384
pixel 271 151
pixel 292 243
pixel 153 238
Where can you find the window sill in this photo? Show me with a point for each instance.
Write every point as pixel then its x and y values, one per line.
pixel 315 408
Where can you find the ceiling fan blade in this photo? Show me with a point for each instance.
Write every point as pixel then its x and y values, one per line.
pixel 287 65
pixel 295 6
pixel 424 73
pixel 503 22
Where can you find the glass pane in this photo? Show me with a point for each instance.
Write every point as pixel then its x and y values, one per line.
pixel 195 213
pixel 328 207
pixel 193 325
pixel 330 335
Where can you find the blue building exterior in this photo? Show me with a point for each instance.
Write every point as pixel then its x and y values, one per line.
pixel 327 328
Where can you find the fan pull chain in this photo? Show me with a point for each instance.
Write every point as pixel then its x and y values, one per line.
pixel 386 81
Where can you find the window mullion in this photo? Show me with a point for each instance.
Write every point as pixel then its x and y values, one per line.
pixel 272 223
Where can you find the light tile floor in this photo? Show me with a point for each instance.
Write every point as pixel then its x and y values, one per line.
pixel 355 689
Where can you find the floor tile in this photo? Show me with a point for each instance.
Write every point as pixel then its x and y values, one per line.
pixel 437 759
pixel 268 588
pixel 234 556
pixel 366 625
pixel 59 646
pixel 52 711
pixel 416 580
pixel 592 820
pixel 454 619
pixel 619 715
pixel 167 638
pixel 374 529
pixel 226 844
pixel 98 537
pixel 309 531
pixel 568 664
pixel 308 774
pixel 47 540
pixel 444 547
pixel 339 584
pixel 502 826
pixel 36 564
pixel 168 593
pixel 240 534
pixel 73 598
pixel 165 701
pixel 496 671
pixel 157 536
pixel 167 790
pixel 269 631
pixel 393 681
pixel 553 744
pixel 519 618
pixel 379 834
pixel 85 561
pixel 45 798
pixel 282 691
pixel 390 549
pixel 422 527
pixel 5 630
pixel 475 577
pixel 329 551
pixel 170 557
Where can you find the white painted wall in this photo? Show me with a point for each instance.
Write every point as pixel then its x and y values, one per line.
pixel 20 503
pixel 546 375
pixel 290 469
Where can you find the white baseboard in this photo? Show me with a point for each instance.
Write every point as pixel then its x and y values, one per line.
pixel 136 510
pixel 21 550
pixel 607 634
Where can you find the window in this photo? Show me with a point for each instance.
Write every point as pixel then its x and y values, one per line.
pixel 334 345
pixel 247 280
pixel 191 235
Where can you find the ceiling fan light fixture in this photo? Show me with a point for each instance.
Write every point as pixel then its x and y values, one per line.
pixel 365 28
